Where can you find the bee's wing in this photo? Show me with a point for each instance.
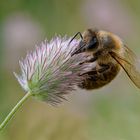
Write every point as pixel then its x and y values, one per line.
pixel 130 64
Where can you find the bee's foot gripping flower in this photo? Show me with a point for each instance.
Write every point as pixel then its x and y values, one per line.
pixel 50 72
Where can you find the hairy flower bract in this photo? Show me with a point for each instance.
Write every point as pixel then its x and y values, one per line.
pixel 50 72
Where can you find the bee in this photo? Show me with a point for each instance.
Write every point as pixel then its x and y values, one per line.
pixel 109 54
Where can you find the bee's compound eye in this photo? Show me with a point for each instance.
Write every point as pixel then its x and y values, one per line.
pixel 93 43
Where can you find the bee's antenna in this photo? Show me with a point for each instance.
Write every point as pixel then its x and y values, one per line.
pixel 78 33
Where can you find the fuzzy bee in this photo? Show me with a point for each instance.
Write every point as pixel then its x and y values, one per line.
pixel 109 54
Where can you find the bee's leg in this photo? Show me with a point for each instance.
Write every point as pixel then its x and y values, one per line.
pixel 91 72
pixel 103 68
pixel 93 59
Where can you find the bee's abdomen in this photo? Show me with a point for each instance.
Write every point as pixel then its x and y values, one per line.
pixel 95 80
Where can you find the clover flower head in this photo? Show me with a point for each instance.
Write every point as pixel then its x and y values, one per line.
pixel 50 72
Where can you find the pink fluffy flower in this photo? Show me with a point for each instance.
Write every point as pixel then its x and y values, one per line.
pixel 50 72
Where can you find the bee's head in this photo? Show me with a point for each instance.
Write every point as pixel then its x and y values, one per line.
pixel 89 42
pixel 95 40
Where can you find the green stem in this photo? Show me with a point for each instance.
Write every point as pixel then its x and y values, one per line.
pixel 14 110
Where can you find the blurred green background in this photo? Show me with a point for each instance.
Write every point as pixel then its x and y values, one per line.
pixel 110 113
